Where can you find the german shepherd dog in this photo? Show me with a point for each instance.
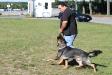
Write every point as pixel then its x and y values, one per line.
pixel 66 54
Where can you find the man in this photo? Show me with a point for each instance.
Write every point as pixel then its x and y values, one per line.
pixel 68 25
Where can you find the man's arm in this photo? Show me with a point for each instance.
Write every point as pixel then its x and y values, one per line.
pixel 63 26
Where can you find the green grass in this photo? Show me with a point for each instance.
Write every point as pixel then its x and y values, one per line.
pixel 24 43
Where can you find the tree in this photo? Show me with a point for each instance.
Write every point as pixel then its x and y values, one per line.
pixel 108 7
pixel 76 7
pixel 83 7
pixel 90 7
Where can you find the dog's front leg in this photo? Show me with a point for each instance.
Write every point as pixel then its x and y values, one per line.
pixel 66 64
pixel 60 61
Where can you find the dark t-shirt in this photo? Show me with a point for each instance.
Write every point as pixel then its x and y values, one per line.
pixel 71 28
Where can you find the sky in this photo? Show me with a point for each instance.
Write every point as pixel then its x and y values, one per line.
pixel 24 0
pixel 27 0
pixel 77 0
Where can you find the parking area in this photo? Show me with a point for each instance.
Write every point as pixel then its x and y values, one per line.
pixel 102 19
pixel 13 12
pixel 19 14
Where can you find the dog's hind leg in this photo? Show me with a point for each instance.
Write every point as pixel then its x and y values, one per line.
pixel 93 66
pixel 87 62
pixel 79 61
pixel 80 64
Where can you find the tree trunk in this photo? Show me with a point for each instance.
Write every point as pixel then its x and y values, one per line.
pixel 76 7
pixel 90 7
pixel 108 7
pixel 83 7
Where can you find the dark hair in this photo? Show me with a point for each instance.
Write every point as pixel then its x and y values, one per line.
pixel 62 4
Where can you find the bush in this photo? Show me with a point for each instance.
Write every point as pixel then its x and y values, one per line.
pixel 28 15
pixel 0 13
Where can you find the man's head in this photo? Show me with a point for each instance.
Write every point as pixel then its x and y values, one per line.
pixel 62 6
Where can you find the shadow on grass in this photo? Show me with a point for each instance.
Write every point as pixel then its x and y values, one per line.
pixel 73 63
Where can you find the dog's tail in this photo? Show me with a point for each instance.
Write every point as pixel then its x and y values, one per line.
pixel 94 53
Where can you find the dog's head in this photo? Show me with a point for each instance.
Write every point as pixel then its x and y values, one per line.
pixel 61 43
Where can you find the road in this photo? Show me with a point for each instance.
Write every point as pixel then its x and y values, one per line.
pixel 102 20
pixel 95 19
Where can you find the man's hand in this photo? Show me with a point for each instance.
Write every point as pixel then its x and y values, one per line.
pixel 60 30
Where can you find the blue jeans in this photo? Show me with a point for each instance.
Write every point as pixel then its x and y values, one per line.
pixel 70 39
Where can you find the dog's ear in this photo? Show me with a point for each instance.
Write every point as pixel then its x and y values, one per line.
pixel 61 37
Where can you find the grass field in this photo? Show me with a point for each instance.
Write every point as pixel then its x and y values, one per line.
pixel 24 43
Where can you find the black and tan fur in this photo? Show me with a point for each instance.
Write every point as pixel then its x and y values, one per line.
pixel 65 54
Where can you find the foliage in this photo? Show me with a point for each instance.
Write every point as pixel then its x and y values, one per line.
pixel 14 5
